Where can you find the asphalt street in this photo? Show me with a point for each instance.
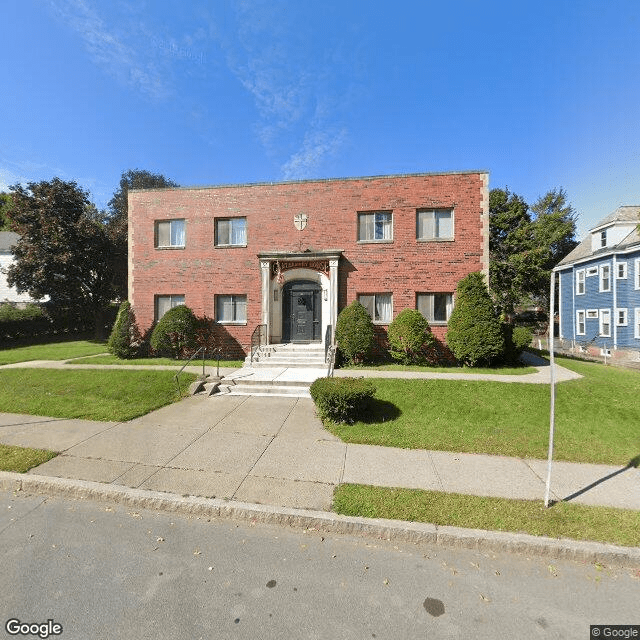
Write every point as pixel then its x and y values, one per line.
pixel 107 572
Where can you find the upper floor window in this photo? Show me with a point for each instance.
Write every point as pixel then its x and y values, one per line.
pixel 231 232
pixel 621 270
pixel 637 273
pixel 579 282
pixel 435 307
pixel 376 225
pixel 434 224
pixel 164 303
pixel 379 306
pixel 603 238
pixel 170 233
pixel 605 277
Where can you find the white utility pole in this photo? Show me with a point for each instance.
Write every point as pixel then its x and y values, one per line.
pixel 552 413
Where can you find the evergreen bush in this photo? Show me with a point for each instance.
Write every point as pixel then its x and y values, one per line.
pixel 521 338
pixel 410 337
pixel 175 334
pixel 125 340
pixel 354 333
pixel 342 399
pixel 474 334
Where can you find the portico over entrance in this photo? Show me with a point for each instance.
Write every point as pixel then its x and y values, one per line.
pixel 299 294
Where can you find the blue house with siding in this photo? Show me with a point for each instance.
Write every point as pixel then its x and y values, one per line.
pixel 600 289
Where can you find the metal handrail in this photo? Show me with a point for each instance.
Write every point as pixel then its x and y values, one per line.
pixel 203 349
pixel 332 360
pixel 328 341
pixel 259 333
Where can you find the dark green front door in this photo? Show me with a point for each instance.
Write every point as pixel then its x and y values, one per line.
pixel 302 311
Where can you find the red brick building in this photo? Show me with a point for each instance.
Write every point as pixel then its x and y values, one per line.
pixel 291 255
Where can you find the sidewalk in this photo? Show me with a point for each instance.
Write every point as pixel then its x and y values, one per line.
pixel 274 451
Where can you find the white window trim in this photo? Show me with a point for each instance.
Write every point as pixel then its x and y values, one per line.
pixel 636 324
pixel 380 293
pixel 434 238
pixel 637 273
pixel 592 314
pixel 625 320
pixel 604 313
pixel 592 271
pixel 578 323
pixel 231 295
pixel 230 244
pixel 624 270
pixel 602 268
pixel 169 222
pixel 580 279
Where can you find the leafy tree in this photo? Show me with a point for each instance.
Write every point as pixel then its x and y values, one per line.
pixel 117 218
pixel 5 207
pixel 63 251
pixel 474 333
pixel 524 247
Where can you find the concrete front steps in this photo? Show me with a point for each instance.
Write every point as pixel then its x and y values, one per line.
pixel 263 381
pixel 307 356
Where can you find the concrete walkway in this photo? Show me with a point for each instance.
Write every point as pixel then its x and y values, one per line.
pixel 275 451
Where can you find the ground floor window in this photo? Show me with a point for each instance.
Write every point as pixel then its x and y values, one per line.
pixel 621 317
pixel 636 324
pixel 379 306
pixel 231 308
pixel 435 307
pixel 605 323
pixel 164 303
pixel 580 323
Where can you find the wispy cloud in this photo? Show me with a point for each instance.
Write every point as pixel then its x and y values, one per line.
pixel 109 50
pixel 317 147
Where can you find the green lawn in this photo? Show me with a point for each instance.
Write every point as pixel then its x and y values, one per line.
pixel 109 359
pixel 597 416
pixel 52 351
pixel 519 370
pixel 562 520
pixel 110 395
pixel 20 460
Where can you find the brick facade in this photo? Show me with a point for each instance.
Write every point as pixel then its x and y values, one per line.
pixel 402 266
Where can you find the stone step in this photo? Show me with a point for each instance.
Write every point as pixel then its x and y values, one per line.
pixel 270 363
pixel 265 390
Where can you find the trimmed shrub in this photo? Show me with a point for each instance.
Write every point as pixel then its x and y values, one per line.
pixel 521 338
pixel 474 334
pixel 31 321
pixel 354 333
pixel 342 399
pixel 125 340
pixel 409 337
pixel 175 334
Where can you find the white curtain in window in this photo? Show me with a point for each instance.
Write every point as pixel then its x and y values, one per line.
pixel 366 226
pixel 444 227
pixel 368 302
pixel 177 233
pixel 383 307
pixel 238 231
pixel 163 304
pixel 383 226
pixel 240 309
pixel 426 227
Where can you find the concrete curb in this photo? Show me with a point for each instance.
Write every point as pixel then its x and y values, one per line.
pixel 393 530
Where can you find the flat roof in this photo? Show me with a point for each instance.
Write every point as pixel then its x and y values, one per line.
pixel 310 180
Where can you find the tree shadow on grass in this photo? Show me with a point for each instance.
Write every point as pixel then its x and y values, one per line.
pixel 379 411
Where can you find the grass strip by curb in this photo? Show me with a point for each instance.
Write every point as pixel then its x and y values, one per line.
pixel 21 459
pixel 562 520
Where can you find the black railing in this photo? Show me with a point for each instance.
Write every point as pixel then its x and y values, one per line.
pixel 203 349
pixel 331 359
pixel 328 341
pixel 258 338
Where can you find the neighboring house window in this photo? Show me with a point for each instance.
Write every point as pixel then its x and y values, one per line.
pixel 378 305
pixel 231 308
pixel 592 271
pixel 231 232
pixel 605 322
pixel 580 324
pixel 636 324
pixel 622 271
pixel 605 278
pixel 170 233
pixel 376 225
pixel 603 238
pixel 579 282
pixel 592 313
pixel 637 273
pixel 435 307
pixel 621 317
pixel 164 303
pixel 434 224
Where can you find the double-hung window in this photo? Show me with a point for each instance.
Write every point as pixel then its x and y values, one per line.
pixel 636 324
pixel 622 270
pixel 580 282
pixel 580 323
pixel 621 317
pixel 435 307
pixel 605 323
pixel 605 277
pixel 375 226
pixel 231 232
pixel 231 309
pixel 164 303
pixel 636 279
pixel 434 224
pixel 378 305
pixel 170 233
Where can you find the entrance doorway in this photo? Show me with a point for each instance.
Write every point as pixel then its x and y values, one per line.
pixel 301 311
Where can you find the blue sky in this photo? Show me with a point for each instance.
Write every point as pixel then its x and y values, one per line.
pixel 540 94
